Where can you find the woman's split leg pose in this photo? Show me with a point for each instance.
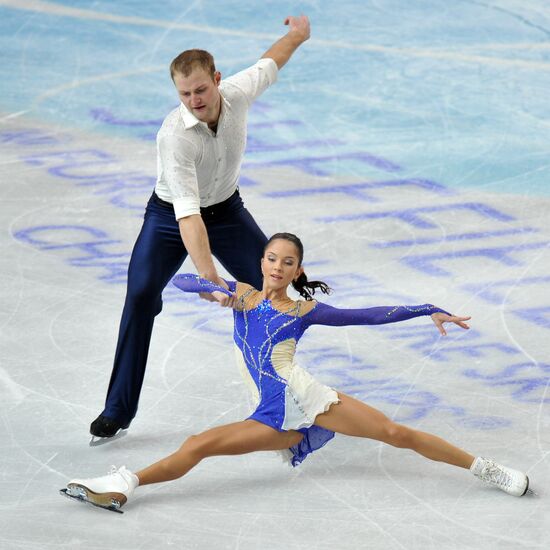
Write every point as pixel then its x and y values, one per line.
pixel 350 417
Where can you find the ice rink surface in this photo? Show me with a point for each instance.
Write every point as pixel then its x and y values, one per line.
pixel 407 143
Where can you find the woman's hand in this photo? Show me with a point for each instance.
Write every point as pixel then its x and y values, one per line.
pixel 440 318
pixel 226 301
pixel 217 296
pixel 208 297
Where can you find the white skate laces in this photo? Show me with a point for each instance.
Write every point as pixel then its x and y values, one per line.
pixel 511 481
pixel 114 470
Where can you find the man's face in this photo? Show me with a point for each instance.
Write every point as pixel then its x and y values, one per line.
pixel 200 94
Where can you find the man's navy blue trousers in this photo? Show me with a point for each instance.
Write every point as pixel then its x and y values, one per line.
pixel 235 240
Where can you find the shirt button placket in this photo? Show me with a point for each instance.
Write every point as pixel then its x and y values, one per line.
pixel 218 159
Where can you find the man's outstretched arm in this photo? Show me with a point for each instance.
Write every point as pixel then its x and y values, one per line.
pixel 298 33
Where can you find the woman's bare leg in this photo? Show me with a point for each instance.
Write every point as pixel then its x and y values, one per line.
pixel 353 417
pixel 232 439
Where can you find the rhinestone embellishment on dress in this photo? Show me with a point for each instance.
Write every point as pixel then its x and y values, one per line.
pixel 263 306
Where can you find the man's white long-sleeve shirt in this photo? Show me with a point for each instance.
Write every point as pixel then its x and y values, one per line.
pixel 196 167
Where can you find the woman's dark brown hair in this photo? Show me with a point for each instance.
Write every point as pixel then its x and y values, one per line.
pixel 305 288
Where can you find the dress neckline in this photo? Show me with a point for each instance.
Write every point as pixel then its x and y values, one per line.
pixel 266 304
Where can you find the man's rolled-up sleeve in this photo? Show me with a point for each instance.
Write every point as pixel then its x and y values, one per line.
pixel 178 158
pixel 253 81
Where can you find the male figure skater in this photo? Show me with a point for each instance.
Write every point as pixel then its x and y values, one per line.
pixel 195 208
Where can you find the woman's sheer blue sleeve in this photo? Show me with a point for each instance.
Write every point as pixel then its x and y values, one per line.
pixel 323 314
pixel 189 282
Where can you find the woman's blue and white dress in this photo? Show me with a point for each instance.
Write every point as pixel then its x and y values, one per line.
pixel 286 396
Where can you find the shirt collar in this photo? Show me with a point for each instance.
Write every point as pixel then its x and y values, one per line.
pixel 190 120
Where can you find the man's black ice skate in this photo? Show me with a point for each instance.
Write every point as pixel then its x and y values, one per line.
pixel 106 429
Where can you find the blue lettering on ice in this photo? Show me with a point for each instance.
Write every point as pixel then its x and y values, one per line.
pixel 28 137
pixel 530 381
pixel 537 315
pixel 272 123
pixel 341 366
pixel 413 403
pixel 260 106
pixel 87 167
pixel 491 291
pixel 245 181
pixel 349 285
pixel 364 190
pixel 473 350
pixel 69 158
pixel 88 243
pixel 413 216
pixel 418 403
pixel 255 145
pixel 310 164
pixel 123 200
pixel 426 340
pixel 501 254
pixel 31 236
pixel 485 422
pixel 205 323
pixel 106 116
pixel 423 336
pixel 453 238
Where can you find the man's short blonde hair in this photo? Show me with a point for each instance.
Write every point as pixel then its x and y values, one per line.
pixel 189 60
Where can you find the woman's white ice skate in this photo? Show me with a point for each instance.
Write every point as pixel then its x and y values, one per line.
pixel 110 492
pixel 511 481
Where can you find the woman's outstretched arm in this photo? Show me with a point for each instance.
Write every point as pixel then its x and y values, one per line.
pixel 323 314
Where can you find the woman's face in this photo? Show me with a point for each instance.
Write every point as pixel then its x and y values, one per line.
pixel 280 264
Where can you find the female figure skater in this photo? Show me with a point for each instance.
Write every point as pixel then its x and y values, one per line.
pixel 294 412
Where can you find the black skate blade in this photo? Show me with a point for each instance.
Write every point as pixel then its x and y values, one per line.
pixel 65 493
pixel 98 441
pixel 528 490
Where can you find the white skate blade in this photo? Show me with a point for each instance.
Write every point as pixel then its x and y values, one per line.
pixel 81 498
pixel 98 441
